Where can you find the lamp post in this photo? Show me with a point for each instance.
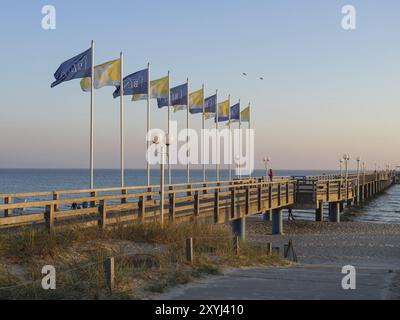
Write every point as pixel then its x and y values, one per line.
pixel 168 141
pixel 341 167
pixel 363 169
pixel 346 158
pixel 266 160
pixel 358 179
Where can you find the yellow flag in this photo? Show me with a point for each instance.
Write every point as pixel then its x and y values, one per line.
pixel 158 90
pixel 223 110
pixel 245 115
pixel 106 74
pixel 196 99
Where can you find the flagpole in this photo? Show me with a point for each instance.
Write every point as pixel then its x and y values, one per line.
pixel 148 120
pixel 122 119
pixel 217 135
pixel 249 133
pixel 240 144
pixel 229 140
pixel 187 130
pixel 203 128
pixel 169 120
pixel 92 120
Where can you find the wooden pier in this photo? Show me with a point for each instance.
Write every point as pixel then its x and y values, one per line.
pixel 215 201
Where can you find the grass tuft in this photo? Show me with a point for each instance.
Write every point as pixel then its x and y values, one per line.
pixel 149 258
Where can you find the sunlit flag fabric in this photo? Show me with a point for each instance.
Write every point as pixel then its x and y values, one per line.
pixel 178 96
pixel 106 74
pixel 135 83
pixel 245 115
pixel 210 104
pixel 196 101
pixel 235 112
pixel 77 67
pixel 223 111
pixel 158 90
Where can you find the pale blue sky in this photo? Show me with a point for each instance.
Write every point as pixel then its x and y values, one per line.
pixel 325 91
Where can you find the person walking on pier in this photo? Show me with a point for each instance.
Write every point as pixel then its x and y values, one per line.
pixel 271 175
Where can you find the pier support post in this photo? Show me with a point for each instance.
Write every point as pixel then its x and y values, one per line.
pixel 239 228
pixel 267 216
pixel 341 206
pixel 361 193
pixel 277 221
pixel 319 213
pixel 370 190
pixel 334 212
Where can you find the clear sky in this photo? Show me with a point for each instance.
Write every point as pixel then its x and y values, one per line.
pixel 326 91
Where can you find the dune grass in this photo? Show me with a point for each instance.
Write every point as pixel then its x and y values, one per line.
pixel 149 259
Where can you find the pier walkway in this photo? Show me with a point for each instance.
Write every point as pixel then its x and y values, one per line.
pixel 215 201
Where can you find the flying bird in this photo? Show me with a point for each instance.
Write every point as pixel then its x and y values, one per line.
pixel 245 74
pixel 261 78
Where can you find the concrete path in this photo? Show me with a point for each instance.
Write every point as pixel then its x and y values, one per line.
pixel 322 249
pixel 300 282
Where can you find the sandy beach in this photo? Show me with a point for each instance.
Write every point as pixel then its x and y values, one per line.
pixel 322 250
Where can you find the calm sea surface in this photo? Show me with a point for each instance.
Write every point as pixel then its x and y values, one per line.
pixel 384 208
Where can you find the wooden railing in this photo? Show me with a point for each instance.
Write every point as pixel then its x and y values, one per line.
pixel 311 190
pixel 222 201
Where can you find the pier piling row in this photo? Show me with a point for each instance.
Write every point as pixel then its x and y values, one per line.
pixel 213 201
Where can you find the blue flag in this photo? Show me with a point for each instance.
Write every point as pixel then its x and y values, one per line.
pixel 235 112
pixel 210 104
pixel 178 97
pixel 135 83
pixel 77 67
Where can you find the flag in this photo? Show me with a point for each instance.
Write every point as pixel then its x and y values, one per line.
pixel 178 98
pixel 77 67
pixel 223 111
pixel 135 83
pixel 158 89
pixel 235 112
pixel 210 104
pixel 196 101
pixel 245 115
pixel 106 74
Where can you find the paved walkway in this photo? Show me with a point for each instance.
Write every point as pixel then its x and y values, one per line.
pixel 374 250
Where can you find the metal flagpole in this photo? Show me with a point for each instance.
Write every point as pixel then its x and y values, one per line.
pixel 240 145
pixel 249 133
pixel 92 119
pixel 217 136
pixel 203 146
pixel 122 119
pixel 148 120
pixel 229 140
pixel 187 131
pixel 169 120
